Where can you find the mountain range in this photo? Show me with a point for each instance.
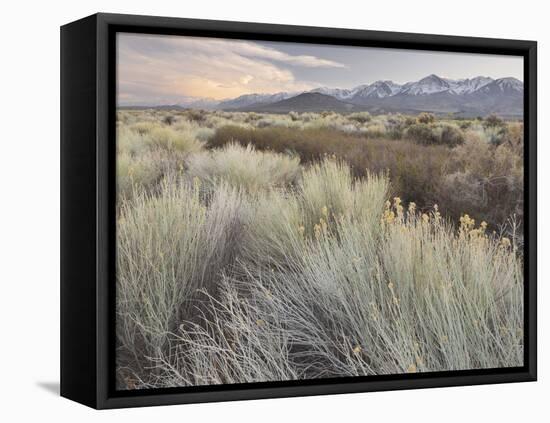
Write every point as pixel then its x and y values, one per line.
pixel 480 95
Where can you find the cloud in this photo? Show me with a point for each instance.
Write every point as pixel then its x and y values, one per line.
pixel 162 69
pixel 259 51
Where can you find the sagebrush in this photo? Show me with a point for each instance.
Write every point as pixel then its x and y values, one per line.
pixel 255 247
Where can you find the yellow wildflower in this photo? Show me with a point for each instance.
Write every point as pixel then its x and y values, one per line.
pixel 317 230
pixel 411 368
pixel 389 217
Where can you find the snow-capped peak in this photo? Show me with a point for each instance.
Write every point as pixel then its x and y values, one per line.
pixel 339 93
pixel 508 85
pixel 468 85
pixel 378 89
pixel 431 84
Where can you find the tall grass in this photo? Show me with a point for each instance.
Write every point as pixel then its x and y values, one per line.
pixel 416 297
pixel 147 151
pixel 244 167
pixel 321 277
pixel 170 246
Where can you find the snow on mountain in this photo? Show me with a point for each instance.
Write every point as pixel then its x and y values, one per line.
pixel 431 84
pixel 479 93
pixel 468 85
pixel 378 89
pixel 339 93
pixel 509 86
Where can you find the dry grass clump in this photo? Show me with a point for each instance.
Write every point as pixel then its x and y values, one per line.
pixel 244 167
pixel 170 140
pixel 486 180
pixel 168 247
pixel 149 150
pixel 441 134
pixel 361 117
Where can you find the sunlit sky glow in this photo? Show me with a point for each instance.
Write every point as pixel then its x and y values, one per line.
pixel 160 69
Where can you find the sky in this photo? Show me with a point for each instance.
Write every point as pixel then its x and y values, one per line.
pixel 160 69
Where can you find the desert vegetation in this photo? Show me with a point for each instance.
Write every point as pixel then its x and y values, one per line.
pixel 262 247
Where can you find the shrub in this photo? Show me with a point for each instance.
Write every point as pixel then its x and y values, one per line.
pixel 414 296
pixel 485 180
pixel 465 124
pixel 493 121
pixel 171 140
pixel 194 115
pixel 142 173
pixel 451 136
pixel 143 128
pixel 294 116
pixel 414 169
pixel 244 167
pixel 360 117
pixel 168 247
pixel 168 120
pixel 495 135
pixel 425 118
pixel 421 133
pixel 513 138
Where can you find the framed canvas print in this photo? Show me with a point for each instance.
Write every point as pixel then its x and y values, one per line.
pixel 255 211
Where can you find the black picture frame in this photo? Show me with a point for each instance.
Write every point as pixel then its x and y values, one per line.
pixel 88 197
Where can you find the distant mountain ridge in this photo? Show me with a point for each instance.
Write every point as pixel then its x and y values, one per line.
pixel 305 102
pixel 479 95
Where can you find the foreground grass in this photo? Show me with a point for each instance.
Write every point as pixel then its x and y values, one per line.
pixel 224 280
